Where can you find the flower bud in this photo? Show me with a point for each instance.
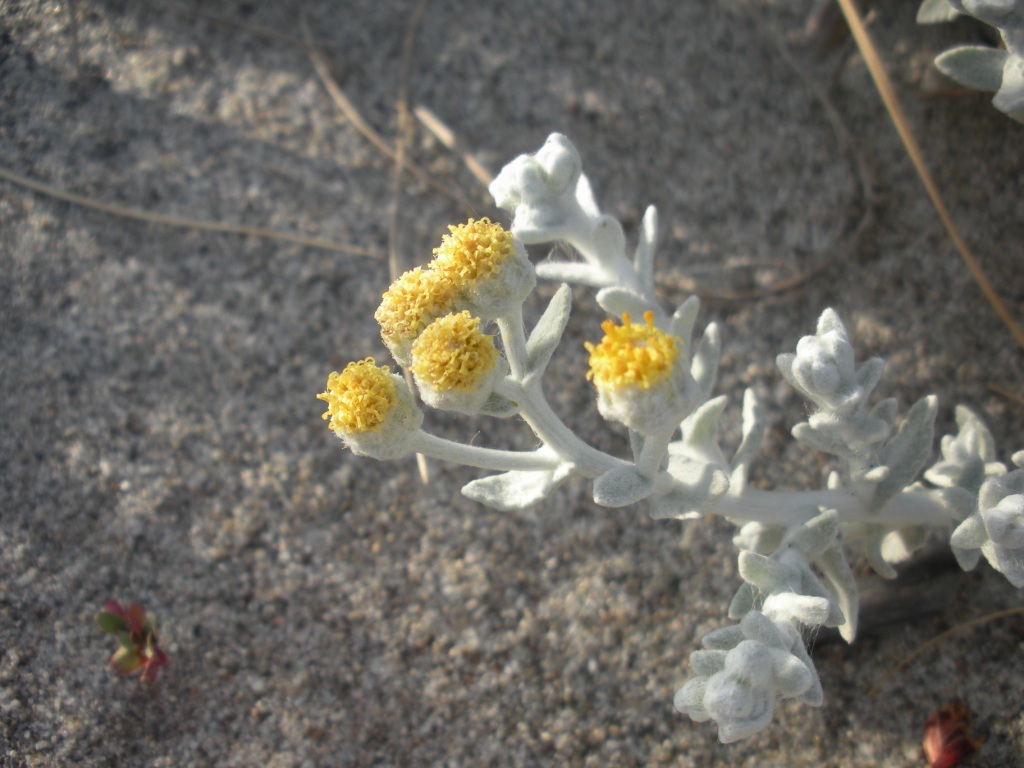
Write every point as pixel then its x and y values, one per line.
pixel 540 191
pixel 412 302
pixel 455 365
pixel 490 267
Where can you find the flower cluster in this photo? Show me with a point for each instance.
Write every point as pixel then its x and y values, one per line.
pixel 479 267
pixel 657 378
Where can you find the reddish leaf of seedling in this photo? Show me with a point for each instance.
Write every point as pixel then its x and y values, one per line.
pixel 947 739
pixel 156 660
pixel 136 618
pixel 111 623
pixel 126 660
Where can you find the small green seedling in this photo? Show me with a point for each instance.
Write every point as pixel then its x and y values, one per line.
pixel 137 635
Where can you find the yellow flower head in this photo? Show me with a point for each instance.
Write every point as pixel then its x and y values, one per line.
pixel 412 302
pixel 453 355
pixel 632 355
pixel 359 398
pixel 473 251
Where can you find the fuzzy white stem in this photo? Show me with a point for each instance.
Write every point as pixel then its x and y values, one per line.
pixel 513 336
pixel 912 507
pixel 536 412
pixel 484 458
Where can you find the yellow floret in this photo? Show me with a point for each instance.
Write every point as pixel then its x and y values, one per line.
pixel 359 398
pixel 453 355
pixel 632 355
pixel 411 304
pixel 473 251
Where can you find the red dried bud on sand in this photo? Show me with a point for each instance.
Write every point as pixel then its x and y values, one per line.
pixel 947 739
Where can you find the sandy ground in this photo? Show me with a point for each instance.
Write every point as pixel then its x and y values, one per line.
pixel 161 442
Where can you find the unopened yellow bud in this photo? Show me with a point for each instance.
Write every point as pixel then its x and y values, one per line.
pixel 473 251
pixel 453 355
pixel 359 398
pixel 412 302
pixel 372 410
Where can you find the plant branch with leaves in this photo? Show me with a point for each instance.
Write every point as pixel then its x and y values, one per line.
pixel 651 374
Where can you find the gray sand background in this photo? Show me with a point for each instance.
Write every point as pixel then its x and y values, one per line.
pixel 161 442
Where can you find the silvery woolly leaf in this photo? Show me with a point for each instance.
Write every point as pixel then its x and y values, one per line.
pixel 561 164
pixel 609 238
pixel 824 438
pixel 1009 562
pixel 730 731
pixel 759 537
pixel 758 627
pixel 724 639
pixel 899 545
pixel 970 534
pixel 707 663
pixel 813 696
pixel 784 362
pixel 869 374
pixel 743 601
pixel 683 320
pixel 805 609
pixel 643 259
pixel 753 435
pixel 621 487
pixel 516 490
pixel 995 488
pixel 976 435
pixel 585 197
pixel 816 535
pixel 765 573
pixel 936 12
pixel 885 411
pixel 499 406
pixel 967 559
pixel 873 551
pixel 811 585
pixel 906 452
pixel 836 570
pixel 975 66
pixel 829 322
pixel 615 300
pixel 1004 14
pixel 792 677
pixel 1010 96
pixel 548 331
pixel 690 699
pixel 1004 522
pixel 873 475
pixel 958 502
pixel 704 367
pixel 700 429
